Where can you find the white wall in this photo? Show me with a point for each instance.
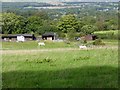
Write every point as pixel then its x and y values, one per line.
pixel 20 38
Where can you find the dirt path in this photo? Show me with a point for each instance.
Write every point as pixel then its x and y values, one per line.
pixel 55 49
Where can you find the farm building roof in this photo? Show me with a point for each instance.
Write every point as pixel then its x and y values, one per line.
pixel 15 35
pixel 49 34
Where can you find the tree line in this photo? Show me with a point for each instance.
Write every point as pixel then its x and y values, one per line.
pixel 66 26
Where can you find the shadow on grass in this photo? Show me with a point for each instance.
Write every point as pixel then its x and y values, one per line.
pixel 84 77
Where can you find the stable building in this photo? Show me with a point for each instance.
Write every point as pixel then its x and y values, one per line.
pixel 17 37
pixel 49 36
pixel 89 37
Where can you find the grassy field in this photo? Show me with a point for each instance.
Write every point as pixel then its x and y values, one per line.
pixel 34 45
pixel 111 34
pixel 60 68
pixel 113 31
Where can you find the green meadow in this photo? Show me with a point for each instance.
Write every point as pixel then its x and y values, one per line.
pixel 29 45
pixel 60 68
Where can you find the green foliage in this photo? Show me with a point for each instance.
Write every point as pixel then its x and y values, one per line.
pixel 85 41
pixel 71 35
pixel 98 42
pixel 45 60
pixel 80 25
pixel 68 23
pixel 90 15
pixel 39 22
pixel 13 23
pixel 107 23
pixel 82 58
pixel 62 35
pixel 34 24
pixel 88 29
pixel 42 14
pixel 67 42
pixel 47 26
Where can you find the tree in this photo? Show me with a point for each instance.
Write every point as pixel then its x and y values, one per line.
pixel 68 23
pixel 42 15
pixel 34 24
pixel 81 24
pixel 88 29
pixel 20 26
pixel 12 23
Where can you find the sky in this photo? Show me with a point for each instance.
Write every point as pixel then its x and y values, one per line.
pixel 59 0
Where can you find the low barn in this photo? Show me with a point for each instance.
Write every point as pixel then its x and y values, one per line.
pixel 89 37
pixel 15 37
pixel 49 36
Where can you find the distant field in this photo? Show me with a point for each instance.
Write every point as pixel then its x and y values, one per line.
pixel 111 34
pixel 59 65
pixel 114 31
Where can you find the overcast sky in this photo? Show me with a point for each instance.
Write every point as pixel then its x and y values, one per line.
pixel 58 0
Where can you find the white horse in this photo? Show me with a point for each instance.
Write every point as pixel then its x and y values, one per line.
pixel 82 47
pixel 41 44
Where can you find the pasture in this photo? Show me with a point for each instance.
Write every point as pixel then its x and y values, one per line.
pixel 33 45
pixel 48 45
pixel 111 34
pixel 59 66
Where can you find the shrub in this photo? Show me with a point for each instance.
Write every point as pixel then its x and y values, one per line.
pixel 85 41
pixel 98 42
pixel 71 35
pixel 44 60
pixel 67 42
pixel 82 58
pixel 62 35
pixel 88 29
pixel 47 60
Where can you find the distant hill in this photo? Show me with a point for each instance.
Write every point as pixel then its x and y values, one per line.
pixel 60 0
pixel 13 6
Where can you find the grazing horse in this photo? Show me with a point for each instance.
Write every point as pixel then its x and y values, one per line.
pixel 82 47
pixel 41 44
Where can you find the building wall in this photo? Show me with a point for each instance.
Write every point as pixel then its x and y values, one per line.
pixel 49 38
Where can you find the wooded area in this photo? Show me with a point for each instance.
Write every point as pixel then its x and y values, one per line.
pixel 66 22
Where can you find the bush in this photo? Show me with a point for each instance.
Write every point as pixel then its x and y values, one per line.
pixel 85 41
pixel 98 42
pixel 88 29
pixel 67 42
pixel 62 35
pixel 71 35
pixel 82 58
